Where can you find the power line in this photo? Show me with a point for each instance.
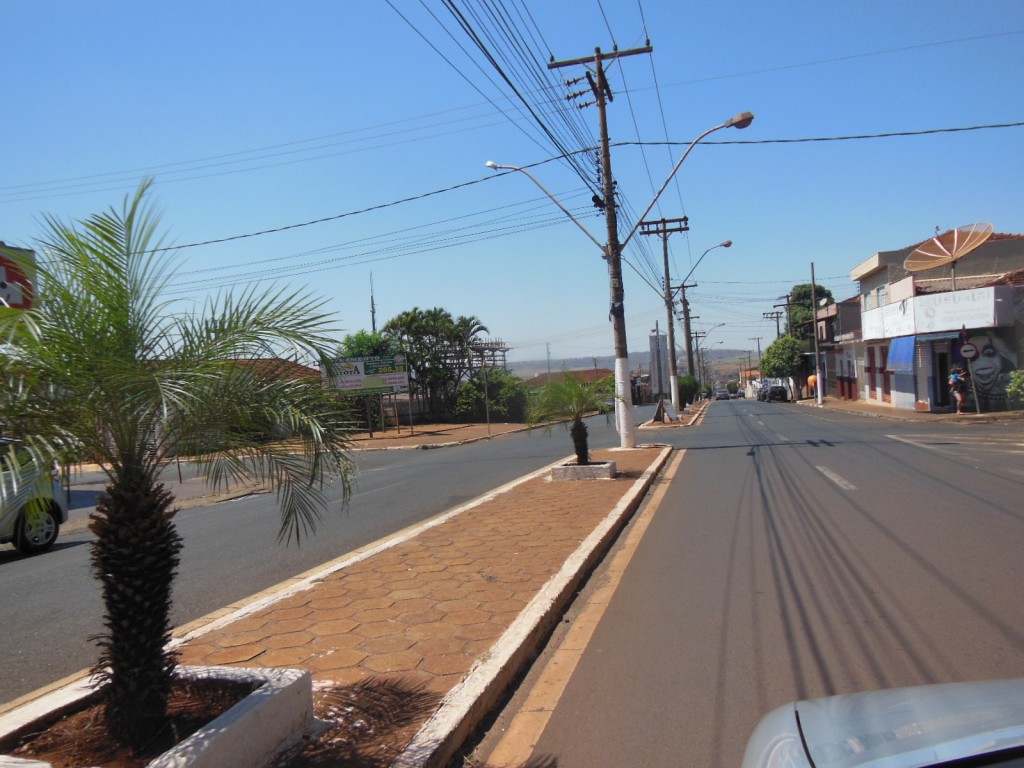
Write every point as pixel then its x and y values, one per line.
pixel 473 182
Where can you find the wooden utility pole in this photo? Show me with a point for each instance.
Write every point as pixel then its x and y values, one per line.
pixel 789 313
pixel 661 228
pixel 686 327
pixel 613 250
pixel 758 340
pixel 776 316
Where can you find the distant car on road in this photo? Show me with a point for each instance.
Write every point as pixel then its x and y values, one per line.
pixel 776 393
pixel 32 507
pixel 721 394
pixel 956 724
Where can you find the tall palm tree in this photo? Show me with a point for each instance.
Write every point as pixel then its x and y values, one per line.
pixel 104 367
pixel 571 397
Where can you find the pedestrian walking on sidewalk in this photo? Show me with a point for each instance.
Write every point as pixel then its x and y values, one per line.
pixel 956 388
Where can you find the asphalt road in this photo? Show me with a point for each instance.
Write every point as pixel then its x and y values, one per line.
pixel 797 553
pixel 50 604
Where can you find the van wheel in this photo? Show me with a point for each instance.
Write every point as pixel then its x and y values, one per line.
pixel 38 535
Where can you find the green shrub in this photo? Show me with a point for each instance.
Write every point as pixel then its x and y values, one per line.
pixel 506 398
pixel 1015 389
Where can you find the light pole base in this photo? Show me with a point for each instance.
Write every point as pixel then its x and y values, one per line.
pixel 624 421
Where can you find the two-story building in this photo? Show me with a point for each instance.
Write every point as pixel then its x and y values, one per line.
pixel 914 326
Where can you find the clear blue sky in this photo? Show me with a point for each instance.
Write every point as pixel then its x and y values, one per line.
pixel 264 115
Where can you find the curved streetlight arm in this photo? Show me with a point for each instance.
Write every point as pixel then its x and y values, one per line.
pixel 707 333
pixel 723 244
pixel 741 120
pixel 493 165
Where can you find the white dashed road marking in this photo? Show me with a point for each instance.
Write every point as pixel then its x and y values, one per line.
pixel 836 478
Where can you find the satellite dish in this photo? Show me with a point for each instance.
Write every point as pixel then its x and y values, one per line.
pixel 948 248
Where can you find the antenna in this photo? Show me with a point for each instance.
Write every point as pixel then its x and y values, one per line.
pixel 948 248
pixel 373 308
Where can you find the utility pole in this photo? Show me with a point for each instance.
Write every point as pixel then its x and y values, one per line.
pixel 686 326
pixel 789 314
pixel 758 340
pixel 657 355
pixel 613 250
pixel 814 328
pixel 776 316
pixel 661 228
pixel 697 336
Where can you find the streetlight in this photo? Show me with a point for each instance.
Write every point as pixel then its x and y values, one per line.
pixel 613 253
pixel 686 310
pixel 494 166
pixel 704 365
pixel 623 395
pixel 742 120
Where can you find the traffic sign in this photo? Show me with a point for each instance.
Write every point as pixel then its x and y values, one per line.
pixel 968 351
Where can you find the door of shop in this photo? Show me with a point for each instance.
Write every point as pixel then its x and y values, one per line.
pixel 941 397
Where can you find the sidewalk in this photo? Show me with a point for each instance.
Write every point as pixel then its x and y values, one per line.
pixel 886 411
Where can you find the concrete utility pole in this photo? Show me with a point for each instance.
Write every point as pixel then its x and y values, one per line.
pixel 613 252
pixel 661 228
pixel 758 340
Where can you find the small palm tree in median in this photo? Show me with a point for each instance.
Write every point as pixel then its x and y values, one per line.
pixel 571 398
pixel 104 367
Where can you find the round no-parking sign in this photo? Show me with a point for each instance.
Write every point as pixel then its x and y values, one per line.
pixel 968 351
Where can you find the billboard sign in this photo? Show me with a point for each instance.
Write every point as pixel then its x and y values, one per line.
pixel 370 375
pixel 15 287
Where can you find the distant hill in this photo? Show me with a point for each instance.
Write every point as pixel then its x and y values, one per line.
pixel 527 369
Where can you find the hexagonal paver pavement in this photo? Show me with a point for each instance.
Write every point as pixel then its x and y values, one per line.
pixel 426 609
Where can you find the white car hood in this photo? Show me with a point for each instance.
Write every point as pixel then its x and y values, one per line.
pixel 894 728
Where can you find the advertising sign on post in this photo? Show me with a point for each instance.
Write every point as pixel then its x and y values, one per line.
pixel 370 375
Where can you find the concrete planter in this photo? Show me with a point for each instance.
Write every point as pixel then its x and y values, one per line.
pixel 250 734
pixel 604 470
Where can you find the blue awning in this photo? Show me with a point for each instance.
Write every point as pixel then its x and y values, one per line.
pixel 901 355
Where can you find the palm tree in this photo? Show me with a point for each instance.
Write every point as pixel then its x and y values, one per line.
pixel 570 397
pixel 438 349
pixel 103 367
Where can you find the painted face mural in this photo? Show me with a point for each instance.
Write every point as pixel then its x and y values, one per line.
pixel 991 371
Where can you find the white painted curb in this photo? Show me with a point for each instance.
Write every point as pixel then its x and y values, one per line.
pixel 249 735
pixel 469 702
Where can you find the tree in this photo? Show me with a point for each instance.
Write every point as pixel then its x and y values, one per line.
pixel 801 310
pixel 103 367
pixel 438 347
pixel 688 389
pixel 1015 389
pixel 570 397
pixel 506 397
pixel 782 359
pixel 369 344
